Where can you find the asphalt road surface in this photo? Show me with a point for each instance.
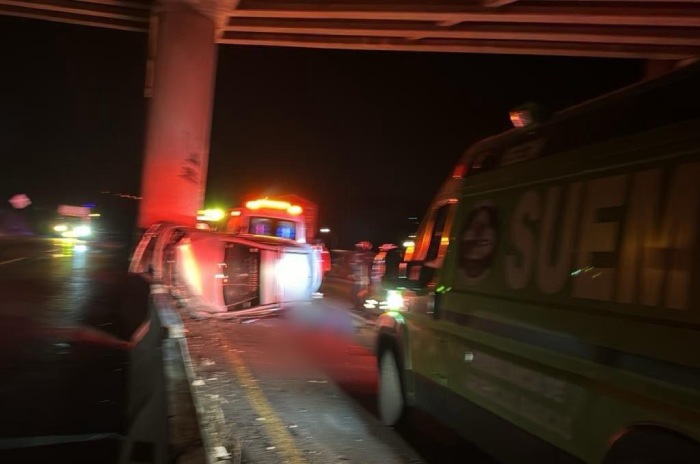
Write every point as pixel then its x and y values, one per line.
pixel 62 356
pixel 301 387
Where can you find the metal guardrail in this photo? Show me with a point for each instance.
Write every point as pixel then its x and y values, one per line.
pixel 147 409
pixel 157 346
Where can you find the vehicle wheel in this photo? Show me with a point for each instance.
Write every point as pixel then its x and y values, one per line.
pixel 653 445
pixel 391 397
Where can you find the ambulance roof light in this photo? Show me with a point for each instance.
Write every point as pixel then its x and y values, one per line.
pixel 274 204
pixel 295 209
pixel 528 114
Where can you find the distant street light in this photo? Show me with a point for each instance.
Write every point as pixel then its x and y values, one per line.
pixel 324 230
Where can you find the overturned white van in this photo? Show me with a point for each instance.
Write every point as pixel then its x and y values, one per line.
pixel 224 273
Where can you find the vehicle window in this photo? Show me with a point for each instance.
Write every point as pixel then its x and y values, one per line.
pixel 260 226
pixel 484 161
pixel 234 225
pixel 286 229
pixel 438 232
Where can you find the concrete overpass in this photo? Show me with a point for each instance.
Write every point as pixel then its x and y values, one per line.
pixel 183 36
pixel 648 29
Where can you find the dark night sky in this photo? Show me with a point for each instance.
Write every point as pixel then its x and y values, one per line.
pixel 368 135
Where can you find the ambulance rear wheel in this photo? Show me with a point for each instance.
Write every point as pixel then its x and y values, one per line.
pixel 653 445
pixel 391 395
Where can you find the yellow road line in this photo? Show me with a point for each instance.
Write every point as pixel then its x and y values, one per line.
pixel 276 430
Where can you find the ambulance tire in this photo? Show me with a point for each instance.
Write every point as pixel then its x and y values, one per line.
pixel 391 395
pixel 653 445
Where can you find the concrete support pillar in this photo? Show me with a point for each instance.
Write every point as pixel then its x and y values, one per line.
pixel 179 120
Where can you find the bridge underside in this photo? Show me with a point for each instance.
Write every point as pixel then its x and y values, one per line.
pixel 647 29
pixel 183 36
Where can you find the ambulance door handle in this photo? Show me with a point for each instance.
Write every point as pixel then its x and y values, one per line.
pixel 222 271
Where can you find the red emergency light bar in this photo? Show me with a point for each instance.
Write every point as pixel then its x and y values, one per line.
pixel 263 203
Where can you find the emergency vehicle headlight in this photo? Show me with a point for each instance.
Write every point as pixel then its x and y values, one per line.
pixel 60 228
pixel 394 301
pixel 214 214
pixel 293 272
pixel 81 231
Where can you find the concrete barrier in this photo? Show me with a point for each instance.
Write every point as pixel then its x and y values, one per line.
pixel 162 417
pixel 147 412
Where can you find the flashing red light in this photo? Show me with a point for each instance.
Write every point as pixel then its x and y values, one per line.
pixel 459 171
pixel 274 204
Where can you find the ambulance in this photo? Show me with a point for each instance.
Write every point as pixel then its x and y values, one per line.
pixel 549 310
pixel 288 217
pixel 225 275
pixel 270 217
